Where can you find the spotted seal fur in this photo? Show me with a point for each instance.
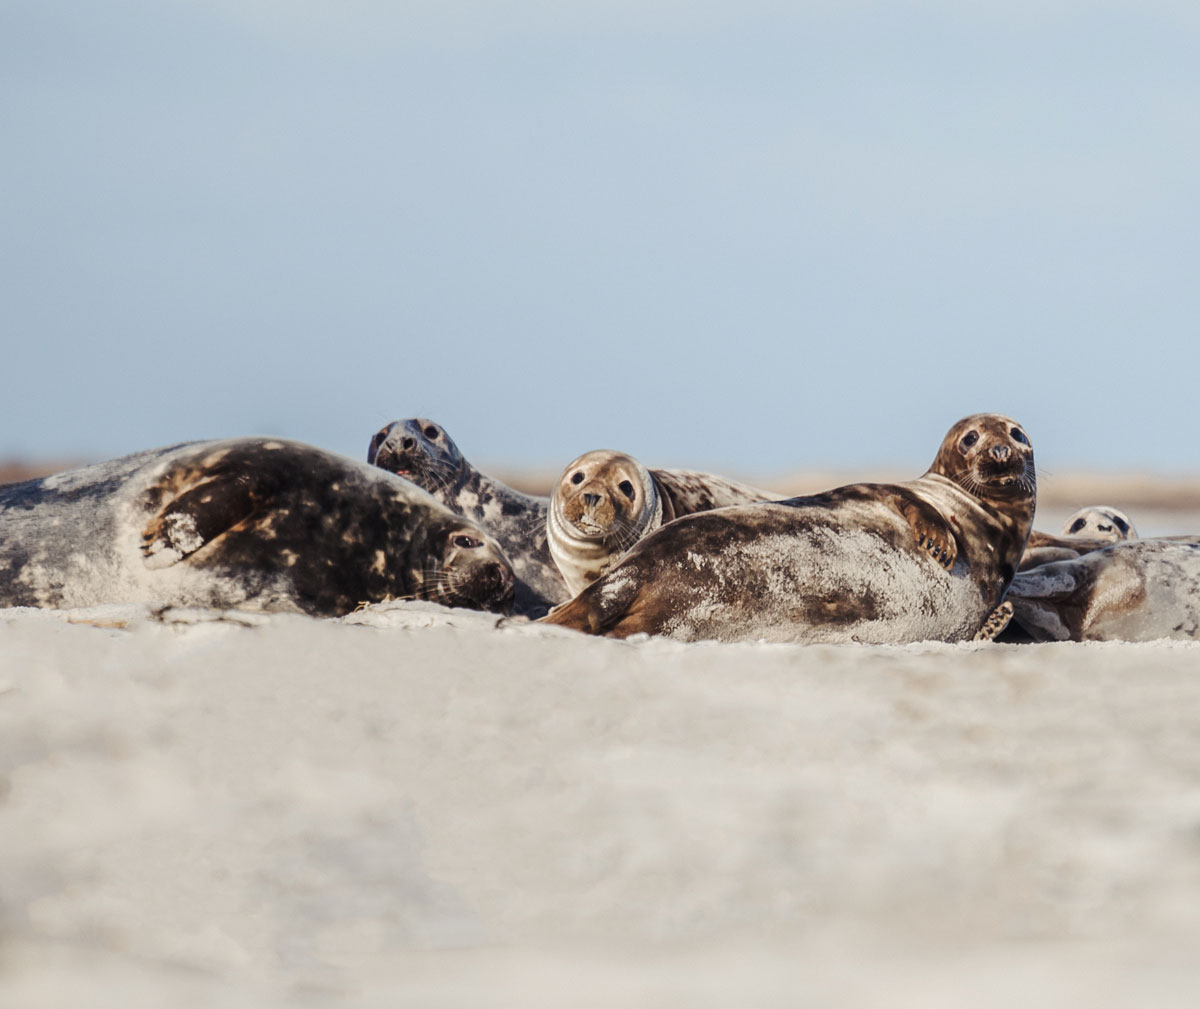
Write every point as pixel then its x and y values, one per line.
pixel 421 450
pixel 259 523
pixel 926 559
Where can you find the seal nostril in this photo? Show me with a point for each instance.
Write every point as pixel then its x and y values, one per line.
pixel 408 444
pixel 591 500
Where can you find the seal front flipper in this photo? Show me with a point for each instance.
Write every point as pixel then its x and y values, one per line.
pixel 933 534
pixel 197 517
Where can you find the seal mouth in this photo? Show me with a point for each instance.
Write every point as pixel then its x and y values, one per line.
pixel 1014 476
pixel 588 526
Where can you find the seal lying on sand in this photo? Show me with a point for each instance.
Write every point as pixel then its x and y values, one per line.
pixel 252 522
pixel 421 451
pixel 926 559
pixel 606 501
pixel 1134 590
pixel 1091 528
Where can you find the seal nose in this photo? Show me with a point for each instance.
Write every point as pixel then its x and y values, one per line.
pixel 1001 452
pixel 591 500
pixel 407 443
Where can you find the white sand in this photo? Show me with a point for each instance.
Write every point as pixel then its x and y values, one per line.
pixel 414 807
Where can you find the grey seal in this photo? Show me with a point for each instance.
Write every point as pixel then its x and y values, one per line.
pixel 1131 590
pixel 888 563
pixel 259 523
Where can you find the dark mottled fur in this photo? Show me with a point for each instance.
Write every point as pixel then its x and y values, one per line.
pixel 421 451
pixel 259 522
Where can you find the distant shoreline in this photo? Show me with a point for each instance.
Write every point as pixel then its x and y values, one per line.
pixel 1066 489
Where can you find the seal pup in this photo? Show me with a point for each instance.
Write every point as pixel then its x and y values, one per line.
pixel 1131 590
pixel 606 501
pixel 421 451
pixel 1090 528
pixel 926 559
pixel 258 523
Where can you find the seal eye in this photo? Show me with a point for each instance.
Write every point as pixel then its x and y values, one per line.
pixel 466 542
pixel 1076 526
pixel 577 478
pixel 970 438
pixel 626 488
pixel 1019 435
pixel 432 433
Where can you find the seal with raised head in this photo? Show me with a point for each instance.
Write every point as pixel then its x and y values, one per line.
pixel 886 563
pixel 1090 528
pixel 257 523
pixel 420 450
pixel 1131 590
pixel 606 501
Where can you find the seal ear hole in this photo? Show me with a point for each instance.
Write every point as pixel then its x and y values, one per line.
pixel 465 542
pixel 1019 435
pixel 431 433
pixel 577 478
pixel 626 488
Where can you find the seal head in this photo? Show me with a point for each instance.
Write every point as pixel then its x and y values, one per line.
pixel 603 503
pixel 421 451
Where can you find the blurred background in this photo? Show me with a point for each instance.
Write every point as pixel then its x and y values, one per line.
pixel 756 237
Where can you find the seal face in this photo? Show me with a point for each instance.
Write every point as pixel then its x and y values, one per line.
pixel 1131 590
pixel 1091 528
pixel 421 451
pixel 927 559
pixel 604 502
pixel 252 522
pixel 1100 522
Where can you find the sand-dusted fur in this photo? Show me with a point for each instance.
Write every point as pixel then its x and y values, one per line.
pixel 1132 590
pixel 258 523
pixel 927 559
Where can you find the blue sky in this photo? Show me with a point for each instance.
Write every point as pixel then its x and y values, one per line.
pixel 752 236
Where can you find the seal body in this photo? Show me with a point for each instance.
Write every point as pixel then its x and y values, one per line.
pixel 1132 590
pixel 926 559
pixel 606 501
pixel 258 523
pixel 421 451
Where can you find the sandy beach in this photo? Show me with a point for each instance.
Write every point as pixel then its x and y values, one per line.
pixel 426 807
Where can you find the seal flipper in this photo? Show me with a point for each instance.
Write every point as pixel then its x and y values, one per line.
pixel 932 531
pixel 197 517
pixel 995 623
pixel 597 608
